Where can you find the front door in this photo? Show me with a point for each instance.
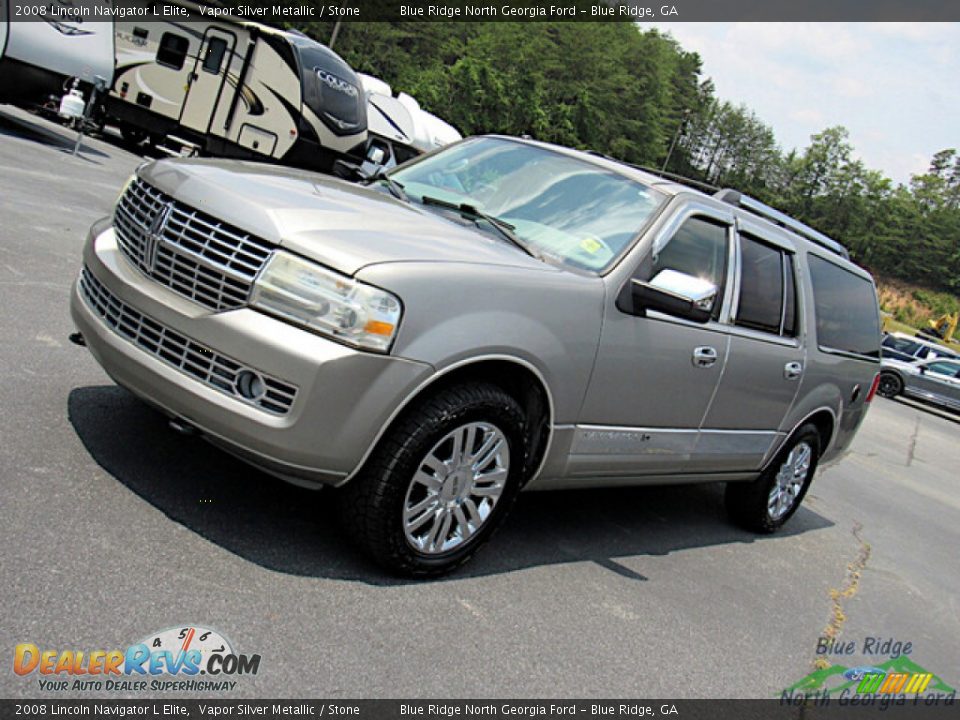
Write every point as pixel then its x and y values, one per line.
pixel 655 375
pixel 206 82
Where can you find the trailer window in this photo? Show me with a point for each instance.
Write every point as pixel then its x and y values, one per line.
pixel 173 50
pixel 213 55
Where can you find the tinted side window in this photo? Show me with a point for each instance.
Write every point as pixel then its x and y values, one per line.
pixel 698 248
pixel 943 367
pixel 213 55
pixel 901 345
pixel 846 309
pixel 789 298
pixel 173 50
pixel 761 286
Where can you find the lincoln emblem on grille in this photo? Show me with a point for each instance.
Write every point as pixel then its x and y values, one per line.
pixel 154 236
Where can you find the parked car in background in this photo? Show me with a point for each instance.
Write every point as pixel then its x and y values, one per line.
pixel 498 315
pixel 935 380
pixel 908 348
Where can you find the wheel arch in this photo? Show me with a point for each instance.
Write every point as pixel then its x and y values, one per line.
pixel 823 418
pixel 515 376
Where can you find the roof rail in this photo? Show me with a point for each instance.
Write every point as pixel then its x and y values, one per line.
pixel 683 180
pixel 738 199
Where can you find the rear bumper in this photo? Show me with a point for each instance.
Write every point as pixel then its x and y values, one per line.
pixel 343 396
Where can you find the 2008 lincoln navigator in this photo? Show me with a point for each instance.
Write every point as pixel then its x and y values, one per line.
pixel 502 314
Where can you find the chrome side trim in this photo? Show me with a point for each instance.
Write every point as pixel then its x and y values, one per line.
pixel 632 441
pixel 448 369
pixel 620 440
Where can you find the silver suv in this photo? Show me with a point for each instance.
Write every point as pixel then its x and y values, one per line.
pixel 499 315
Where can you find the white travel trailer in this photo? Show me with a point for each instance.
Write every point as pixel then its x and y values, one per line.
pixel 39 57
pixel 398 128
pixel 233 88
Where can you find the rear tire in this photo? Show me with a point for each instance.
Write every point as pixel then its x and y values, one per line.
pixel 890 385
pixel 439 483
pixel 765 505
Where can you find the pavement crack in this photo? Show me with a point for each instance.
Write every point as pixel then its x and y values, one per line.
pixel 847 591
pixel 912 444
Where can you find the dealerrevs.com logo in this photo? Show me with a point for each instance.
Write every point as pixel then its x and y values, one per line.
pixel 188 658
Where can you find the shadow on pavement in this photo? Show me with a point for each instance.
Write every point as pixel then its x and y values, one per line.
pixel 292 530
pixel 35 129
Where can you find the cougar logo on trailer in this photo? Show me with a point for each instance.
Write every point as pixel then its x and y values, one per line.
pixel 335 83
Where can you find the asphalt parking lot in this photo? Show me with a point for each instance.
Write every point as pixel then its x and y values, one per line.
pixel 113 527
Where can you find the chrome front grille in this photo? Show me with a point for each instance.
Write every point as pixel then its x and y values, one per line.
pixel 189 251
pixel 190 357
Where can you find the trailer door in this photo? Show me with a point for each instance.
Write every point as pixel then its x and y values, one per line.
pixel 207 79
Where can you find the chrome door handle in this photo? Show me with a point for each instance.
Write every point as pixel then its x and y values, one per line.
pixel 792 370
pixel 704 356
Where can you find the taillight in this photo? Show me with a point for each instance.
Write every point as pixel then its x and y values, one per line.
pixel 873 388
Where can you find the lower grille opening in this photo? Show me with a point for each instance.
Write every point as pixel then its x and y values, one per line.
pixel 186 355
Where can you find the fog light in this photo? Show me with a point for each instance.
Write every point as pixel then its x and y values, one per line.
pixel 250 385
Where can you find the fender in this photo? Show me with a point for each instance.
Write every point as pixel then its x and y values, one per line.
pixel 438 375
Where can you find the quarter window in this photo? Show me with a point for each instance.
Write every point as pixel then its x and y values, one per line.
pixel 173 50
pixel 699 248
pixel 846 308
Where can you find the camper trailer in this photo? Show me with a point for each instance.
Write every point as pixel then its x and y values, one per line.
pixel 398 128
pixel 234 88
pixel 40 57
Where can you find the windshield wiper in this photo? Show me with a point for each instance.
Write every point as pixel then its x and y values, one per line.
pixel 504 228
pixel 395 188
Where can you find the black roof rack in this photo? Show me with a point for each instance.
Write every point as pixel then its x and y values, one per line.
pixel 738 199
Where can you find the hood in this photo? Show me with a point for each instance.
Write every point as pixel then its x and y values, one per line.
pixel 338 224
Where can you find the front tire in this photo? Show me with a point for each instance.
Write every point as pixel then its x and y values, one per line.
pixel 440 481
pixel 765 505
pixel 890 385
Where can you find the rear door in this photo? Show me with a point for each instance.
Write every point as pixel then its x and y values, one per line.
pixel 765 362
pixel 205 83
pixel 939 381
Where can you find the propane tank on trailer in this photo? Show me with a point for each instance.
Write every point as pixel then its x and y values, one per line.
pixel 72 105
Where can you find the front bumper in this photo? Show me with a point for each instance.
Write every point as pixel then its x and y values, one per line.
pixel 343 397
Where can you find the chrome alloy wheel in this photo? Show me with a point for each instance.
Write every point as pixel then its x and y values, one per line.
pixel 455 488
pixel 789 481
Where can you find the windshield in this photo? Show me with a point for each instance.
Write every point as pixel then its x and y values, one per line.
pixel 561 207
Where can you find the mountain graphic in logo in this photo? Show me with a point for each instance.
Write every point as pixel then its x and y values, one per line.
pixel 837 678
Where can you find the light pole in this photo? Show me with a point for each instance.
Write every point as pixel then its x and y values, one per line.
pixel 336 27
pixel 676 136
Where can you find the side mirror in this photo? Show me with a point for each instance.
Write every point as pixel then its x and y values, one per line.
pixel 676 293
pixel 923 369
pixel 347 170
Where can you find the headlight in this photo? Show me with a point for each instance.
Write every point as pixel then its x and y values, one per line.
pixel 332 304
